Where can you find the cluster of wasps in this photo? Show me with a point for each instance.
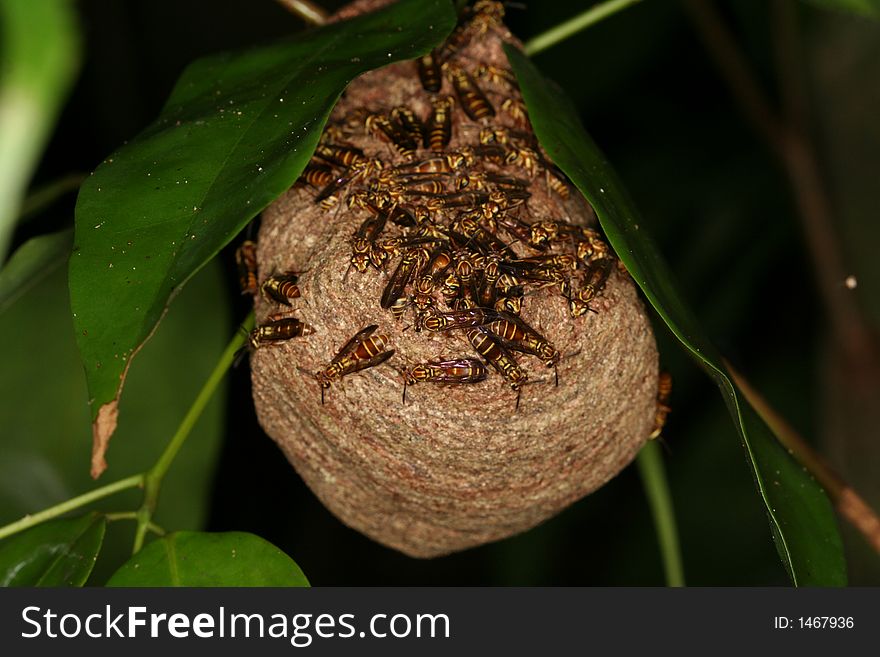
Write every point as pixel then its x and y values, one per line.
pixel 451 228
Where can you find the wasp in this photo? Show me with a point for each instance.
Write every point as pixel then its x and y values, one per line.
pixel 491 349
pixel 450 286
pixel 363 246
pixel 429 72
pixel 400 278
pixel 592 247
pixel 558 182
pixel 519 230
pixel 525 158
pixel 344 156
pixel 438 132
pixel 360 169
pixel 246 262
pixel 408 120
pixel 429 183
pixel 446 163
pixel 494 153
pixel 486 14
pixel 664 391
pixel 318 175
pixel 560 260
pixel 595 278
pixel 399 307
pixel 281 288
pixel 473 101
pixel 405 143
pixel 542 233
pixel 423 296
pixel 459 370
pixel 459 319
pixel 476 20
pixel 511 302
pixel 498 75
pixel 576 306
pixel 516 109
pixel 519 336
pixel 527 271
pixel 363 350
pixel 278 329
pixel 491 274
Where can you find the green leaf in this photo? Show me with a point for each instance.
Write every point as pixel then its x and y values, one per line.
pixel 31 263
pixel 801 518
pixel 202 559
pixel 862 7
pixel 39 51
pixel 46 428
pixel 55 553
pixel 236 132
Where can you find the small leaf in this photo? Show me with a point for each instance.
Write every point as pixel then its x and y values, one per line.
pixel 55 553
pixel 38 58
pixel 862 7
pixel 202 559
pixel 236 132
pixel 31 263
pixel 801 519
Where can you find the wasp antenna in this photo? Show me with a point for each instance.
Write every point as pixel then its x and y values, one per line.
pixel 518 394
pixel 556 374
pixel 322 395
pixel 404 390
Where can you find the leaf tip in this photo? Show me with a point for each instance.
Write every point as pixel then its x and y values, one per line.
pixel 102 430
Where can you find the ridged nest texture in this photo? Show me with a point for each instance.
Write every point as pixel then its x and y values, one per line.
pixel 456 465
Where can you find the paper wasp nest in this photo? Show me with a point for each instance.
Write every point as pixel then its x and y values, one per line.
pixel 481 236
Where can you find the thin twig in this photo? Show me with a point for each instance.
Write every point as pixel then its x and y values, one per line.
pixel 570 27
pixel 154 476
pixel 69 505
pixel 653 474
pixel 310 12
pixel 848 502
pixel 790 141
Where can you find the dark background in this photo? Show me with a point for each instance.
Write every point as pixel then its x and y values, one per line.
pixel 710 192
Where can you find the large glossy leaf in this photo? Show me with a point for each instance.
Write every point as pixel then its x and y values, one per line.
pixel 55 553
pixel 31 263
pixel 862 7
pixel 801 519
pixel 38 57
pixel 236 132
pixel 201 559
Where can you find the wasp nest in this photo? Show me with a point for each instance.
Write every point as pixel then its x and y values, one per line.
pixel 447 351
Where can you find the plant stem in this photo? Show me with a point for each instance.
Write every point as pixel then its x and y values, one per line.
pixel 653 474
pixel 154 476
pixel 310 12
pixel 133 515
pixel 134 481
pixel 570 27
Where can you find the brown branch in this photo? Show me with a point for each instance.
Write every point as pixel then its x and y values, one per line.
pixel 790 141
pixel 848 502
